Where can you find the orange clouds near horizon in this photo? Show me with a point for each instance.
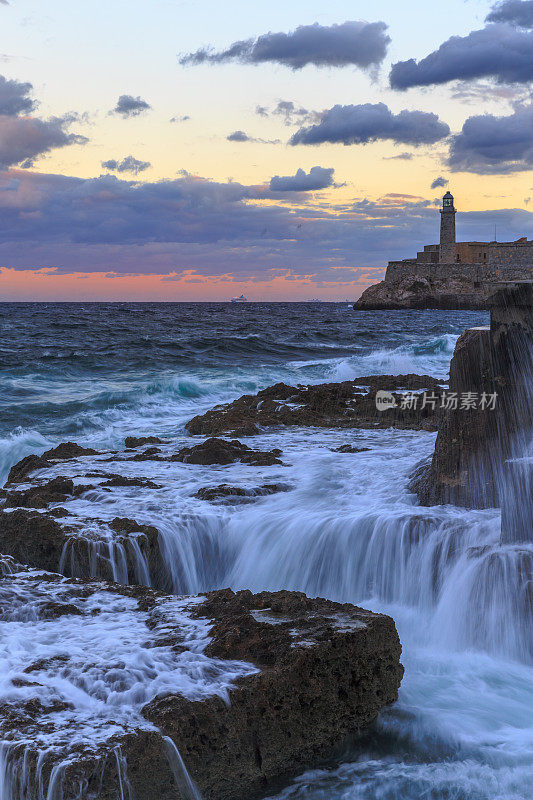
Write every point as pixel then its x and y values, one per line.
pixel 47 285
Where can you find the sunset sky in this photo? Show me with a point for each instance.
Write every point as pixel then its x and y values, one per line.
pixel 197 149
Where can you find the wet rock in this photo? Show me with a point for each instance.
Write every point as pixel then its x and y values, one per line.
pixel 126 525
pixel 323 672
pixel 224 491
pixel 68 450
pixel 391 383
pixel 63 452
pixel 120 481
pixel 326 670
pixel 341 405
pixel 53 610
pixel 27 465
pixel 55 491
pixel 138 441
pixel 350 448
pixel 58 512
pixel 32 538
pixel 222 451
pixel 474 443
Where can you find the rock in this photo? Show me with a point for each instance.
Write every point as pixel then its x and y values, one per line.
pixel 322 673
pixel 350 448
pixel 40 496
pixel 138 441
pixel 222 451
pixel 341 405
pixel 473 444
pixel 40 541
pixel 32 538
pixel 454 290
pixel 63 452
pixel 126 525
pixel 150 454
pixel 213 493
pixel 29 464
pixel 68 450
pixel 392 383
pixel 326 671
pixel 119 481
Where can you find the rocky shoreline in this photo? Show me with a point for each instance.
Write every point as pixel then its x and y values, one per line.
pixel 270 683
pixel 236 692
pixel 273 681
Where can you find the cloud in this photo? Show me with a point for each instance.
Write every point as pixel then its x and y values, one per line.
pixel 14 97
pixel 317 178
pixel 238 136
pixel 439 182
pixel 241 136
pixel 399 157
pixel 23 139
pixel 360 44
pixel 369 122
pixel 290 113
pixel 128 106
pixel 4 2
pixel 215 229
pixel 128 164
pixel 485 91
pixel 498 51
pixel 490 145
pixel 184 118
pixel 515 12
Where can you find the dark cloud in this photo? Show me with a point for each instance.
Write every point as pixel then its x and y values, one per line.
pixel 241 136
pixel 217 229
pixel 498 51
pixel 491 145
pixel 238 136
pixel 23 139
pixel 128 164
pixel 399 157
pixel 369 122
pixel 128 106
pixel 317 178
pixel 516 12
pixel 184 118
pixel 14 97
pixel 360 44
pixel 262 111
pixel 439 182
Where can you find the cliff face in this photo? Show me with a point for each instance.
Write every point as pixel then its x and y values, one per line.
pixel 474 461
pixel 446 286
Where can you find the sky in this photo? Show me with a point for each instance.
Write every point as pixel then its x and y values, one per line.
pixel 197 150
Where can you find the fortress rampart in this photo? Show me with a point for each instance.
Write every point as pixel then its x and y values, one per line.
pixel 450 274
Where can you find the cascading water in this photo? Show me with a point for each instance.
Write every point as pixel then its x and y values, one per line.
pixel 351 531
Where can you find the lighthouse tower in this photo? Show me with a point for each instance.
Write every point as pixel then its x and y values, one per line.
pixel 447 230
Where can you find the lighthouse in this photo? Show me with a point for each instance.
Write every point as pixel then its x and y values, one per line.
pixel 447 230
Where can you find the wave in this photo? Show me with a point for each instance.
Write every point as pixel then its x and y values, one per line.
pixel 18 444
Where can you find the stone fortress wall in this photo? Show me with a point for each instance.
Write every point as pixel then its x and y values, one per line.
pixel 450 274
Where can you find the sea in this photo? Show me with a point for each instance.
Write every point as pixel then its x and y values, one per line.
pixel 348 530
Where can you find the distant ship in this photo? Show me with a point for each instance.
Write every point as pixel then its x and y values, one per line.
pixel 241 299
